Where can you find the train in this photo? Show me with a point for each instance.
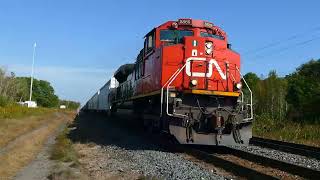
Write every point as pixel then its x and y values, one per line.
pixel 186 82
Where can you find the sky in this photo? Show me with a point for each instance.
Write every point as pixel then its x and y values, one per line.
pixel 80 43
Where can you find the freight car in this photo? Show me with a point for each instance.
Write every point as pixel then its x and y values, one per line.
pixel 100 101
pixel 186 81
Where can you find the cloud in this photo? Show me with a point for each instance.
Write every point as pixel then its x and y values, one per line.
pixel 74 83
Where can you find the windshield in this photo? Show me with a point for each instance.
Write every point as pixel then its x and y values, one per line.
pixel 205 34
pixel 174 35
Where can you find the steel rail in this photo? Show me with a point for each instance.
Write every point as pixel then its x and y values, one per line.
pixel 229 166
pixel 300 149
pixel 277 164
pixel 269 162
pixel 200 153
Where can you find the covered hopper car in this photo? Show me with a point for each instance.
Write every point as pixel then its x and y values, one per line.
pixel 185 81
pixel 100 101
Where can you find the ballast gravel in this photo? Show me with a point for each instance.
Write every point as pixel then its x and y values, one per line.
pixel 282 156
pixel 150 164
pixel 156 163
pixel 115 149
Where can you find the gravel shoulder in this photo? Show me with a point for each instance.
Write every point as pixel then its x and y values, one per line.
pixel 115 148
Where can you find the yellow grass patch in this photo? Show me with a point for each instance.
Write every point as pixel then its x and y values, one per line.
pixel 12 128
pixel 14 111
pixel 26 147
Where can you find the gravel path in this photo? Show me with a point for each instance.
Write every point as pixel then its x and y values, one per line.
pixel 115 152
pixel 41 167
pixel 283 156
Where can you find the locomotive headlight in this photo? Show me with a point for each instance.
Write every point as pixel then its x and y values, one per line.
pixel 239 85
pixel 208 47
pixel 208 51
pixel 172 94
pixel 193 82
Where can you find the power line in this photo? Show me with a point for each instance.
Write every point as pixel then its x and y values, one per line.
pixel 302 43
pixel 276 43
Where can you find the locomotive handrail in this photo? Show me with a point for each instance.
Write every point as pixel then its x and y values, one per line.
pixel 168 86
pixel 251 97
pixel 161 101
pixel 168 83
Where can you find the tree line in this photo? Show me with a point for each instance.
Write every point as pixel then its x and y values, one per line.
pixel 16 89
pixel 295 97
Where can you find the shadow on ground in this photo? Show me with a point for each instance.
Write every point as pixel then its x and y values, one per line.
pixel 125 131
pixel 122 130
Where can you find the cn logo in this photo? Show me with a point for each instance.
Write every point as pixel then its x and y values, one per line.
pixel 202 74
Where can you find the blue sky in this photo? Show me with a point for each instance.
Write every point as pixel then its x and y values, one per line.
pixel 80 42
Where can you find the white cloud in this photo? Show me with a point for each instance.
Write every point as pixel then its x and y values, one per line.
pixel 75 83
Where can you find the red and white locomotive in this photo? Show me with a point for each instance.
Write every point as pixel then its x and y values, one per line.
pixel 186 81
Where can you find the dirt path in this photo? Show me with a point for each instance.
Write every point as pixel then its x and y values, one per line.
pixel 28 154
pixel 23 137
pixel 41 167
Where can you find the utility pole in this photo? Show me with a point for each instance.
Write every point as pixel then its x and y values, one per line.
pixel 34 53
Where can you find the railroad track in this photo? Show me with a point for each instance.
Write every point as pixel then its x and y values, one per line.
pixel 214 156
pixel 209 155
pixel 304 150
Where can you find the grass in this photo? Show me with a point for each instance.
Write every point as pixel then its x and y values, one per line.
pixel 15 111
pixel 63 149
pixel 15 121
pixel 289 131
pixel 24 149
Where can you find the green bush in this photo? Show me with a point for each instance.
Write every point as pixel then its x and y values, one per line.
pixel 3 101
pixel 286 130
pixel 63 149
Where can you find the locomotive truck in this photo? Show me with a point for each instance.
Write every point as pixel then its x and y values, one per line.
pixel 185 81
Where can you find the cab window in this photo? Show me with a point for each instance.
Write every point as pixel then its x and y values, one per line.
pixel 174 36
pixel 149 42
pixel 206 34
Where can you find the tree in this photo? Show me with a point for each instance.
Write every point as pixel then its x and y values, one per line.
pixel 8 87
pixel 42 93
pixel 252 79
pixel 268 95
pixel 304 92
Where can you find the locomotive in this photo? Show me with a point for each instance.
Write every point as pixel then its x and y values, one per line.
pixel 185 81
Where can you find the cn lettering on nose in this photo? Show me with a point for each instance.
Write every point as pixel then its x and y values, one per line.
pixel 212 62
